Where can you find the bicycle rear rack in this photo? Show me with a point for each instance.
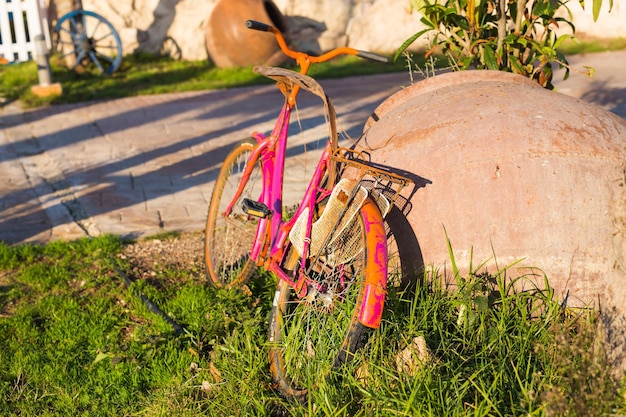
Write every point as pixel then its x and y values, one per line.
pixel 335 228
pixel 381 183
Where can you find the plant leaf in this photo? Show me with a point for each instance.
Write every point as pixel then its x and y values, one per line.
pixel 490 58
pixel 418 4
pixel 408 43
pixel 482 303
pixel 101 356
pixel 597 5
pixel 455 269
pixel 560 40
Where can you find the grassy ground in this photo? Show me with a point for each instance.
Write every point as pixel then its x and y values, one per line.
pixel 76 341
pixel 141 75
pixel 588 45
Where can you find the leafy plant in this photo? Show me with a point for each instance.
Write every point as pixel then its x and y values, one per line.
pixel 518 36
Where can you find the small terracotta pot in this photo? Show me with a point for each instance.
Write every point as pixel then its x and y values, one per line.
pixel 230 44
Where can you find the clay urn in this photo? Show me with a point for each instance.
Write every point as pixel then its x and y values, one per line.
pixel 510 174
pixel 230 44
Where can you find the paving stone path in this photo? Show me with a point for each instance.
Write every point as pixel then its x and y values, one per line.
pixel 143 165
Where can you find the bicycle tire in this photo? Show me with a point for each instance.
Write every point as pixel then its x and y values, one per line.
pixel 312 336
pixel 228 241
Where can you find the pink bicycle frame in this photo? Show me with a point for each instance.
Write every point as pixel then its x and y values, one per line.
pixel 272 152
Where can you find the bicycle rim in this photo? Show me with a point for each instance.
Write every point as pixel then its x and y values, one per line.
pixel 228 240
pixel 310 337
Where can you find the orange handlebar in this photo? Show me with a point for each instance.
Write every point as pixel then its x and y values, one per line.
pixel 305 60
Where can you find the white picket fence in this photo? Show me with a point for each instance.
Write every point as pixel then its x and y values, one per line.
pixel 20 22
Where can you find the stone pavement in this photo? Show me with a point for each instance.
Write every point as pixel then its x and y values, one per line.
pixel 143 165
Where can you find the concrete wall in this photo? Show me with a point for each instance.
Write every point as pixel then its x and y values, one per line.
pixel 178 26
pixel 609 24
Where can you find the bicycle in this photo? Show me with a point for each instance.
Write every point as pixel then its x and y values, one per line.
pixel 330 258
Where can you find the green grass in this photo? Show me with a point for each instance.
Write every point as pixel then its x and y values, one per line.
pixel 76 341
pixel 585 45
pixel 143 75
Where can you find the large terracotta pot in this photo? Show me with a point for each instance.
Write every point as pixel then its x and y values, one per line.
pixel 512 171
pixel 229 43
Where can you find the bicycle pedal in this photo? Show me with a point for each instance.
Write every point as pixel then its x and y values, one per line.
pixel 255 208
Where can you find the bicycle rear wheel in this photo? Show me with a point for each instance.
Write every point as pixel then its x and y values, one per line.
pixel 311 336
pixel 229 239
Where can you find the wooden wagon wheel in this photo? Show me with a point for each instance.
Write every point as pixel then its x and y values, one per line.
pixel 87 38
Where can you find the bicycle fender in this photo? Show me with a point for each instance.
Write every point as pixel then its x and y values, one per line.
pixel 371 311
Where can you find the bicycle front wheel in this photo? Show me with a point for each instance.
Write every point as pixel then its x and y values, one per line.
pixel 309 337
pixel 229 239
